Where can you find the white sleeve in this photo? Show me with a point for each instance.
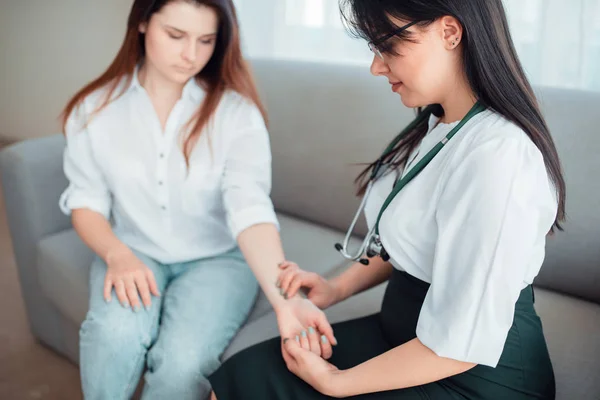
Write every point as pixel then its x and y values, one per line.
pixel 247 176
pixel 87 187
pixel 494 213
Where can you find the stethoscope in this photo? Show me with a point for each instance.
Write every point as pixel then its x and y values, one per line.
pixel 371 245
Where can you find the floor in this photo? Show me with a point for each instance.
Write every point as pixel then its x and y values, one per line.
pixel 27 369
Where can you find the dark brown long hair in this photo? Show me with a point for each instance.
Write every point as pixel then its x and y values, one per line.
pixel 491 63
pixel 226 70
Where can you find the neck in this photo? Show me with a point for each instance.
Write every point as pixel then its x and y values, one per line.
pixel 157 86
pixel 458 102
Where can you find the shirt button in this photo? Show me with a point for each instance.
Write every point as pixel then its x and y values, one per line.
pixel 162 155
pixel 163 207
pixel 160 183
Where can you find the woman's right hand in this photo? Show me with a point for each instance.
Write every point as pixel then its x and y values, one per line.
pixel 319 290
pixel 129 276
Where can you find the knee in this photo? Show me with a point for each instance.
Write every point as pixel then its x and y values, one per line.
pixel 113 329
pixel 180 363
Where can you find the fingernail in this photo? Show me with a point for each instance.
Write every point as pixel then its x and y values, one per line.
pixel 137 308
pixel 147 307
pixel 278 284
pixel 107 299
pixel 285 296
pixel 125 304
pixel 311 330
pixel 335 341
pixel 285 340
pixel 298 339
pixel 303 334
pixel 324 339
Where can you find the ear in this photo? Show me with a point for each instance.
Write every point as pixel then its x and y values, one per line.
pixel 143 27
pixel 452 31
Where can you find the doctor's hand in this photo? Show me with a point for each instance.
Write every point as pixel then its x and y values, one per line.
pixel 319 290
pixel 320 374
pixel 302 321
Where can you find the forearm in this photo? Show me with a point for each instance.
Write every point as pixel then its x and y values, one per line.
pixel 359 277
pixel 95 231
pixel 261 246
pixel 408 365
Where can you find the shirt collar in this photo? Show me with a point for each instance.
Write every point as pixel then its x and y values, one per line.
pixel 192 90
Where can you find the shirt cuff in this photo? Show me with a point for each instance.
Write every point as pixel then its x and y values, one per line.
pixel 72 200
pixel 459 348
pixel 247 217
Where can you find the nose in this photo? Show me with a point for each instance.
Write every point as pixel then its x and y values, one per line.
pixel 379 67
pixel 190 51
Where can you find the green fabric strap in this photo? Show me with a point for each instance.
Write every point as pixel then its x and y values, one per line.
pixel 477 108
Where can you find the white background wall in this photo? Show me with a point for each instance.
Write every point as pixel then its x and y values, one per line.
pixel 50 48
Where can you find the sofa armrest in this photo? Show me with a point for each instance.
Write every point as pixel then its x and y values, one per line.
pixel 32 181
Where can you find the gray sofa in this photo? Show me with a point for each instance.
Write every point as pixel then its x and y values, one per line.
pixel 325 121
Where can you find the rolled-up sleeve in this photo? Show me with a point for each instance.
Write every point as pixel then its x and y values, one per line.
pixel 247 175
pixel 87 187
pixel 494 213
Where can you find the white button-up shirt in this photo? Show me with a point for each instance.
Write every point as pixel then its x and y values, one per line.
pixel 123 166
pixel 473 224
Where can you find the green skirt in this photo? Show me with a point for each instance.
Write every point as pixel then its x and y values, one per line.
pixel 523 372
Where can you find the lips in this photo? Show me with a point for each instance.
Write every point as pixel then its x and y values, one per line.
pixel 395 85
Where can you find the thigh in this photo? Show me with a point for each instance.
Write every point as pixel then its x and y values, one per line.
pixel 112 316
pixel 260 371
pixel 205 305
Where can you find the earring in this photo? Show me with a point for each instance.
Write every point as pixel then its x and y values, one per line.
pixel 454 41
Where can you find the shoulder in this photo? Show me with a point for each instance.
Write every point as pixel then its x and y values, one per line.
pixel 89 107
pixel 493 139
pixel 236 107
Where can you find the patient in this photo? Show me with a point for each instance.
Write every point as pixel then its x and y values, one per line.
pixel 168 160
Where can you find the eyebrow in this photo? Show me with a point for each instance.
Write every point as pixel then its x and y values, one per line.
pixel 185 33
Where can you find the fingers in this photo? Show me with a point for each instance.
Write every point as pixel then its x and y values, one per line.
pixel 107 288
pixel 132 293
pixel 325 328
pixel 142 286
pixel 293 349
pixel 301 279
pixel 326 349
pixel 304 343
pixel 286 277
pixel 314 341
pixel 287 264
pixel 290 362
pixel 121 293
pixel 152 283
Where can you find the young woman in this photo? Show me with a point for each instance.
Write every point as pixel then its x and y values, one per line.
pixel 467 195
pixel 168 160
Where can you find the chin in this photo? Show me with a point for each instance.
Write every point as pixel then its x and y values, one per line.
pixel 412 102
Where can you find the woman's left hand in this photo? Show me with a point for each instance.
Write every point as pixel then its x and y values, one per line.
pixel 300 319
pixel 314 370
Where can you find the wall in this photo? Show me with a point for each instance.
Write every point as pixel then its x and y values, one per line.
pixel 48 50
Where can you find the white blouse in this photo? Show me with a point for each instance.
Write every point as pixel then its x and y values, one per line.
pixel 473 224
pixel 123 166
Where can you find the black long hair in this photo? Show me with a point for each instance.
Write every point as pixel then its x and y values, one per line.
pixel 491 64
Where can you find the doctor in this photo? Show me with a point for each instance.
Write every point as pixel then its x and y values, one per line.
pixel 460 208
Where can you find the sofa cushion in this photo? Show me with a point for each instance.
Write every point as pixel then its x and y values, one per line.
pixel 64 260
pixel 571 330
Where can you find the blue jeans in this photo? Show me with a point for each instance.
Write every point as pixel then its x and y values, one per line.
pixel 179 339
